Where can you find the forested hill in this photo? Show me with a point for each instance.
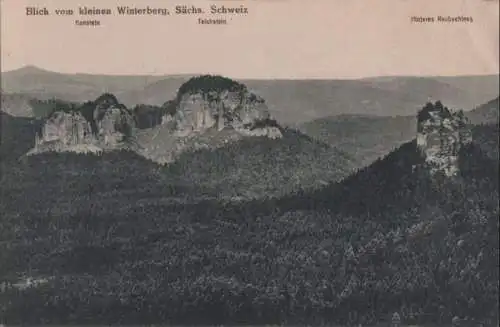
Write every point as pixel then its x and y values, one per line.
pixel 486 138
pixel 259 167
pixel 388 238
pixel 17 136
pixel 486 113
pixel 418 234
pixel 394 178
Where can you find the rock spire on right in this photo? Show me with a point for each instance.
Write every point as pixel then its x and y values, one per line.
pixel 441 134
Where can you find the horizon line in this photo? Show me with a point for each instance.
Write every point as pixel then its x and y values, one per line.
pixel 30 66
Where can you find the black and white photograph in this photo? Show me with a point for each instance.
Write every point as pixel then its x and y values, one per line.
pixel 249 163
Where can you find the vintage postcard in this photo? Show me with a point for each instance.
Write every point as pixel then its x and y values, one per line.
pixel 266 162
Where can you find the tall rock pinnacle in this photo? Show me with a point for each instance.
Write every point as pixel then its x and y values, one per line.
pixel 440 136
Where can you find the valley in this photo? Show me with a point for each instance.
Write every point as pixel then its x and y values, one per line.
pixel 202 205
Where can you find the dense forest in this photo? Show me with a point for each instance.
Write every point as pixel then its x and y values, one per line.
pixel 208 83
pixel 257 167
pixel 258 231
pixel 116 239
pixel 17 137
pixel 45 108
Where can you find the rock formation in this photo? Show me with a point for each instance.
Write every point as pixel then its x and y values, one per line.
pixel 113 121
pixel 17 105
pixel 103 124
pixel 207 112
pixel 67 128
pixel 440 136
pixel 165 119
pixel 114 126
pixel 207 102
pixel 65 131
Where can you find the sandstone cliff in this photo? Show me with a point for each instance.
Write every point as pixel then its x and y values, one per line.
pixel 103 124
pixel 16 105
pixel 207 112
pixel 206 102
pixel 440 136
pixel 65 131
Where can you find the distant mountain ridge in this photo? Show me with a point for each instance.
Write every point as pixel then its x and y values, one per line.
pixel 363 137
pixel 290 101
pixel 44 84
pixel 486 113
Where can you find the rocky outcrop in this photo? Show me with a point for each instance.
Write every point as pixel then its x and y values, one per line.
pixel 66 128
pixel 208 112
pixel 103 124
pixel 207 102
pixel 65 131
pixel 16 105
pixel 114 123
pixel 267 131
pixel 114 127
pixel 165 119
pixel 440 136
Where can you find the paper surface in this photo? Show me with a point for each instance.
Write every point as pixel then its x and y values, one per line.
pixel 272 39
pixel 255 162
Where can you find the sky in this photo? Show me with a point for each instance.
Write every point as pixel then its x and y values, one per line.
pixel 276 39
